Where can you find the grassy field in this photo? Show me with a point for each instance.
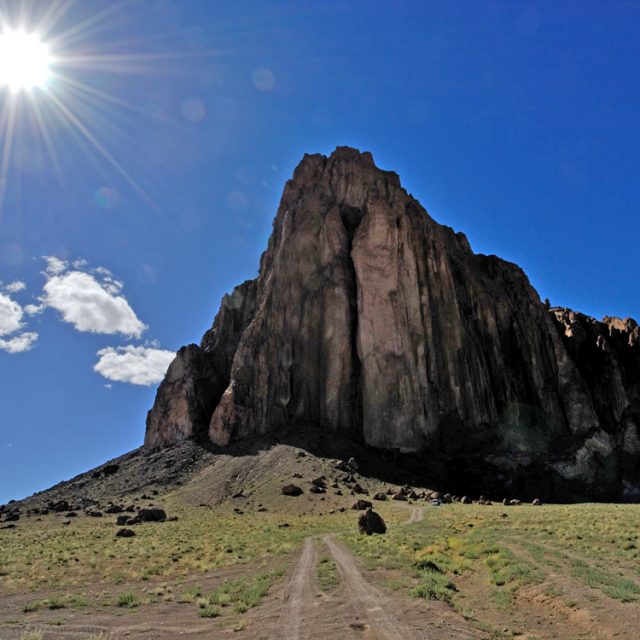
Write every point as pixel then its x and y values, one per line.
pixel 574 569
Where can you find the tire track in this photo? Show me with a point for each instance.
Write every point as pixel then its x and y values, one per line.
pixel 365 598
pixel 300 589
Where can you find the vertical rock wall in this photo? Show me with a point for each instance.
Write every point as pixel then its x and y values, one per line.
pixel 371 319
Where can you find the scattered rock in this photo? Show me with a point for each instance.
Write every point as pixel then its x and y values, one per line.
pixel 94 514
pixel 536 502
pixel 465 500
pixel 153 514
pixel 357 488
pixel 400 496
pixel 110 469
pixel 60 506
pixel 116 508
pixel 291 490
pixel 122 520
pixel 380 496
pixel 361 505
pixel 125 533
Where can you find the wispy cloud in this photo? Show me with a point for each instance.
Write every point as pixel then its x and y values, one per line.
pixel 54 265
pixel 14 287
pixel 136 365
pixel 20 343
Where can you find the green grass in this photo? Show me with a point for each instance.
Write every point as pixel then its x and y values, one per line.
pixel 616 587
pixel 190 595
pixel 209 611
pixel 129 600
pixel 56 602
pixel 44 557
pixel 240 594
pixel 328 578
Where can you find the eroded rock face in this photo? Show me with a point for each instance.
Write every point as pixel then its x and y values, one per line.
pixel 370 318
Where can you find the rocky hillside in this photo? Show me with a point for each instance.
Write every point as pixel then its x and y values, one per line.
pixel 370 319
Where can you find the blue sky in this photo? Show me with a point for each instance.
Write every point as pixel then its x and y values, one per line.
pixel 140 184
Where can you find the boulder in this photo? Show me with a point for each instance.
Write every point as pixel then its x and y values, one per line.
pixel 371 522
pixel 152 514
pixel 291 490
pixel 361 505
pixel 380 496
pixel 116 508
pixel 125 533
pixel 59 506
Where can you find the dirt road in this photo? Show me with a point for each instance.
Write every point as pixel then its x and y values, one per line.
pixel 366 599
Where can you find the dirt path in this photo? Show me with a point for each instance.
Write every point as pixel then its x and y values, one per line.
pixel 365 598
pixel 417 514
pixel 301 592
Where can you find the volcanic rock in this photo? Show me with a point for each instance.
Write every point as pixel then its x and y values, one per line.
pixel 153 514
pixel 291 490
pixel 371 522
pixel 371 319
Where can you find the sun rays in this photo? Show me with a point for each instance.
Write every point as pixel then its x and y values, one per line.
pixel 54 59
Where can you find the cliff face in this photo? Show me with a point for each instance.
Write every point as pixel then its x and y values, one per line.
pixel 370 318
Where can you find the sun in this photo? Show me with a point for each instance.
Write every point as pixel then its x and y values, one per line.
pixel 25 61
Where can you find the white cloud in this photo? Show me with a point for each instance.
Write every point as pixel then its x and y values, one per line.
pixel 33 309
pixel 10 315
pixel 14 287
pixel 136 365
pixel 55 266
pixel 20 343
pixel 90 305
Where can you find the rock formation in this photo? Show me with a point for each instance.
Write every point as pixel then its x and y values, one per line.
pixel 371 319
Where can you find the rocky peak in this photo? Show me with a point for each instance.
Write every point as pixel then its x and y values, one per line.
pixel 370 319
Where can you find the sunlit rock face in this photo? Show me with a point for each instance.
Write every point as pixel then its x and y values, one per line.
pixel 371 319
